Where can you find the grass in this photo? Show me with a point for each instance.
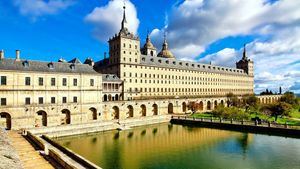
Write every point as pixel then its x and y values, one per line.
pixel 293 120
pixel 202 115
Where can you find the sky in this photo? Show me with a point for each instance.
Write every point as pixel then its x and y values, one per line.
pixel 197 30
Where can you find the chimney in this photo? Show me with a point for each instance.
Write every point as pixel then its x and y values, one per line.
pixel 17 55
pixel 2 54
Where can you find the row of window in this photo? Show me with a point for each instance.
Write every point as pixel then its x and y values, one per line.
pixel 180 70
pixel 185 90
pixel 232 83
pixel 116 46
pixel 175 77
pixel 40 100
pixel 41 81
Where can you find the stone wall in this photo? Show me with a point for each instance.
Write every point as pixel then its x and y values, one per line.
pixel 63 115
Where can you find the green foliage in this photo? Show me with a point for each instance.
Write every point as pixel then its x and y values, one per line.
pixel 250 102
pixel 232 100
pixel 290 98
pixel 277 109
pixel 230 113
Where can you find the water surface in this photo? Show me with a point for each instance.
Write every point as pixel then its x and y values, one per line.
pixel 167 146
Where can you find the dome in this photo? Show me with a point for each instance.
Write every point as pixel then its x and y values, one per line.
pixel 165 52
pixel 148 44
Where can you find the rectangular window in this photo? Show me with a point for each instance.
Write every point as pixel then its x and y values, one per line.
pixel 27 81
pixel 52 100
pixel 64 81
pixel 27 100
pixel 3 101
pixel 52 81
pixel 64 99
pixel 91 82
pixel 3 80
pixel 74 82
pixel 41 100
pixel 75 99
pixel 41 81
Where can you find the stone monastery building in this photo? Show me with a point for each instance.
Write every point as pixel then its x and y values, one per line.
pixel 132 83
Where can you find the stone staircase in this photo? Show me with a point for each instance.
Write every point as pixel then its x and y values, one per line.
pixel 29 157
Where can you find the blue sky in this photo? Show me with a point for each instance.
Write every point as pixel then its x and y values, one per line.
pixel 65 33
pixel 199 30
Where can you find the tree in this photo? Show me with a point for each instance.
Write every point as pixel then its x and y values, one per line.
pixel 290 98
pixel 277 109
pixel 230 113
pixel 250 101
pixel 232 100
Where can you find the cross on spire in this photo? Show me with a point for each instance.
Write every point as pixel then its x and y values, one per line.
pixel 165 44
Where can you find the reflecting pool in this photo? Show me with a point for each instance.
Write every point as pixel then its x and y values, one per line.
pixel 167 146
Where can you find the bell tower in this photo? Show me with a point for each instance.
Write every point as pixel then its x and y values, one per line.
pixel 246 64
pixel 124 47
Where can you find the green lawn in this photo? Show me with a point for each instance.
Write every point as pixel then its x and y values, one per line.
pixel 202 115
pixel 293 120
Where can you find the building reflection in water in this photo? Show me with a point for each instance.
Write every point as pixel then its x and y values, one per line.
pixel 137 147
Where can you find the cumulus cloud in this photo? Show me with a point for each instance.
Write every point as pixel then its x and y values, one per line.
pixel 193 25
pixel 107 19
pixel 198 23
pixel 225 57
pixel 36 8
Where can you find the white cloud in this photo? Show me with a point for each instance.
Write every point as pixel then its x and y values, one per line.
pixel 198 23
pixel 107 19
pixel 36 8
pixel 225 57
pixel 195 24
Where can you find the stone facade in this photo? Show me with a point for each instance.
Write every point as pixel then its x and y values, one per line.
pixel 148 76
pixel 35 94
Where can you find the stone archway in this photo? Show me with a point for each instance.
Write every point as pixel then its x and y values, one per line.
pixel 201 106
pixel 109 98
pixel 116 113
pixel 184 107
pixel 5 120
pixel 92 113
pixel 66 118
pixel 222 102
pixel 143 110
pixel 116 97
pixel 208 105
pixel 170 108
pixel 105 98
pixel 40 119
pixel 130 111
pixel 155 109
pixel 215 104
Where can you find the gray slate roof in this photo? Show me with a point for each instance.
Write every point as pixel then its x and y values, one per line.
pixel 195 66
pixel 39 66
pixel 110 78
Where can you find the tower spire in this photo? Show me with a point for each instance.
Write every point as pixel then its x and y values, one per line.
pixel 124 21
pixel 148 38
pixel 165 44
pixel 244 53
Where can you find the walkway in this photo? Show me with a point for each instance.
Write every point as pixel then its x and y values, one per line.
pixel 30 158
